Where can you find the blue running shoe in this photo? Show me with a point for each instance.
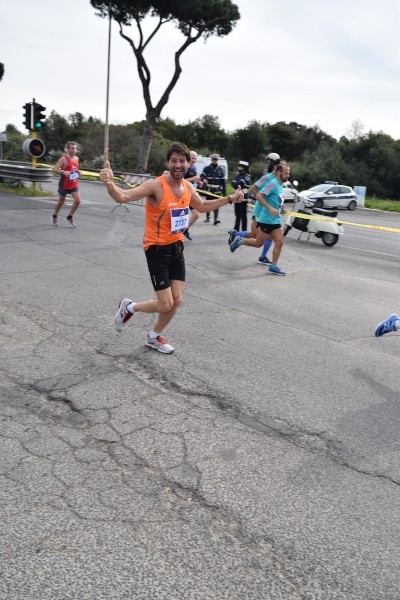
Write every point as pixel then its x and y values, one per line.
pixel 187 235
pixel 263 260
pixel 387 325
pixel 275 270
pixel 235 244
pixel 231 237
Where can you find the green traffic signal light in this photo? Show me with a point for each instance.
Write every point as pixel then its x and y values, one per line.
pixel 38 116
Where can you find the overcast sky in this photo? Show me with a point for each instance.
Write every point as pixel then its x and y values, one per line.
pixel 313 62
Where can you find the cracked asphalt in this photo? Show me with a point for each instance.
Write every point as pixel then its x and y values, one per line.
pixel 259 461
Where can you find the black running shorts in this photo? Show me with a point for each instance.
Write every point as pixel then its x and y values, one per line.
pixel 165 264
pixel 267 228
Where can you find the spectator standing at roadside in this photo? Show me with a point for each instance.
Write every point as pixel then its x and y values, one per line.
pixel 213 179
pixel 192 176
pixel 67 167
pixel 243 179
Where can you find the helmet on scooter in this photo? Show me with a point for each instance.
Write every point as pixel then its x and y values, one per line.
pixel 273 156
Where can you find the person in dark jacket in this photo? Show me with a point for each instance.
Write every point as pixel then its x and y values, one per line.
pixel 213 178
pixel 243 179
pixel 192 176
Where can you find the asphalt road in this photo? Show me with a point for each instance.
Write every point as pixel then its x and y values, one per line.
pixel 259 461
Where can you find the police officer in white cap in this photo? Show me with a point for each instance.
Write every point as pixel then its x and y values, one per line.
pixel 213 178
pixel 243 179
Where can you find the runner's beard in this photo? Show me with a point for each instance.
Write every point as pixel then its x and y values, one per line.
pixel 176 175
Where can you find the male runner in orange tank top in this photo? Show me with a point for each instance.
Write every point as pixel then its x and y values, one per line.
pixel 167 216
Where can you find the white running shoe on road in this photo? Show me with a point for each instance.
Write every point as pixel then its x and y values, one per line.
pixel 123 315
pixel 160 344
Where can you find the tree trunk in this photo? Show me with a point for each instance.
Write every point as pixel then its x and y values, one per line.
pixel 146 141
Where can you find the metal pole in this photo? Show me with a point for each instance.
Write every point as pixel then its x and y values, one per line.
pixel 106 130
pixel 33 136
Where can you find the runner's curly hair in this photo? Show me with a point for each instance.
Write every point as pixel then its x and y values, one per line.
pixel 178 148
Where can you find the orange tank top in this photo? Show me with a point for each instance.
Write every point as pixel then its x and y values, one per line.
pixel 166 222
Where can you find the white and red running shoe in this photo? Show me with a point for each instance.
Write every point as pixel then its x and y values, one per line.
pixel 160 344
pixel 123 315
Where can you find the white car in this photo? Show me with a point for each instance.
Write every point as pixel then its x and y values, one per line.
pixel 289 193
pixel 331 195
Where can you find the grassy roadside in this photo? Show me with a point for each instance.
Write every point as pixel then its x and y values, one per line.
pixel 25 191
pixel 380 204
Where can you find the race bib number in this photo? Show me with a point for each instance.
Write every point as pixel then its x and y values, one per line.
pixel 73 175
pixel 179 219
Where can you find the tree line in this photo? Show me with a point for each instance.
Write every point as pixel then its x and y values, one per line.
pixel 371 159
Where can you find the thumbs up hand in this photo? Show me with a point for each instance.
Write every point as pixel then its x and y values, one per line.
pixel 238 195
pixel 106 174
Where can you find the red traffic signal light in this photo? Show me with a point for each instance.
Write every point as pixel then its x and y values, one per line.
pixel 38 117
pixel 34 147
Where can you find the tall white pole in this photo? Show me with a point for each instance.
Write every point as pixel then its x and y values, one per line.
pixel 106 130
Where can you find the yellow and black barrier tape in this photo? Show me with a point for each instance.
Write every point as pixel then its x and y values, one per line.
pixel 288 213
pixel 121 179
pixel 86 173
pixel 203 192
pixel 91 174
pixel 340 222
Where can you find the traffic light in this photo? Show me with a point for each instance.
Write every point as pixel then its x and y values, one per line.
pixel 38 117
pixel 34 147
pixel 28 115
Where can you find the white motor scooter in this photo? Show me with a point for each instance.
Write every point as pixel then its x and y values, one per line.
pixel 328 231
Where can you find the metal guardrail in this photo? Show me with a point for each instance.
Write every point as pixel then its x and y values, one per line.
pixel 129 180
pixel 25 172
